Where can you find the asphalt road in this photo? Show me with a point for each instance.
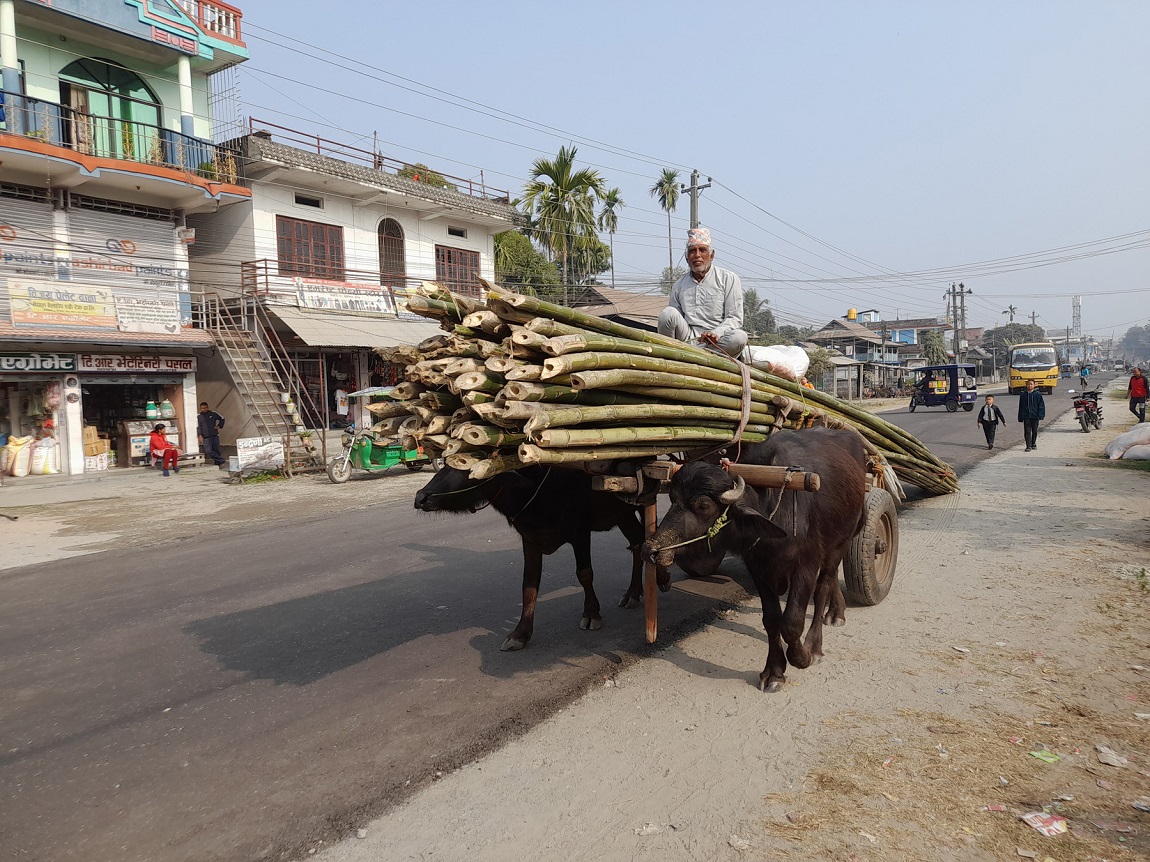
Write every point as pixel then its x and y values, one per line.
pixel 258 694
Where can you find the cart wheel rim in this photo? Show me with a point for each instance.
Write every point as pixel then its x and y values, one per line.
pixel 885 553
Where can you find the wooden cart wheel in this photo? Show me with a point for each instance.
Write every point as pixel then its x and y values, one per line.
pixel 870 563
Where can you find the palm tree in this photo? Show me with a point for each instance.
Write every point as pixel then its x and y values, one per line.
pixel 754 306
pixel 560 200
pixel 666 189
pixel 1011 310
pixel 609 220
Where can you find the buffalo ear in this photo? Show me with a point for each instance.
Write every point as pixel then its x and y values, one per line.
pixel 770 529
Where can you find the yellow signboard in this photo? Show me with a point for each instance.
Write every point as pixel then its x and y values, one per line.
pixel 60 303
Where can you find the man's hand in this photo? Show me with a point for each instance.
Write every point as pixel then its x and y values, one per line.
pixel 709 338
pixel 200 437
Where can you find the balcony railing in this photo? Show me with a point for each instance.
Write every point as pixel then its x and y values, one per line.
pixel 112 138
pixel 218 19
pixel 358 291
pixel 375 161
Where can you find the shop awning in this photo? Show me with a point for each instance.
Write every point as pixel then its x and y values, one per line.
pixel 323 329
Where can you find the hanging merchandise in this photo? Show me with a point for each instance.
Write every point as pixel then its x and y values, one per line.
pixel 167 411
pixel 151 411
pixel 53 395
pixel 19 451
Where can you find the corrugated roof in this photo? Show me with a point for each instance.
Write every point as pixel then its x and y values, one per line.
pixel 323 329
pixel 186 337
pixel 642 307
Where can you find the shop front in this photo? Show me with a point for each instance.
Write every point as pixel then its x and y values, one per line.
pixel 39 404
pixel 68 413
pixel 124 395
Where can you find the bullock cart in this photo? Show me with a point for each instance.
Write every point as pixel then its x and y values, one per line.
pixel 517 381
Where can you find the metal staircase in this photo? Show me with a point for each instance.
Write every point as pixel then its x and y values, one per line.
pixel 261 371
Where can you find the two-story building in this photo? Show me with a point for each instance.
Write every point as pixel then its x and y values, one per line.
pixel 314 266
pixel 105 151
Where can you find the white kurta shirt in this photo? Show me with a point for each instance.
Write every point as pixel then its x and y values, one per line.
pixel 714 304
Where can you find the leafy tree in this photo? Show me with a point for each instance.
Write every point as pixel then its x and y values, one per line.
pixel 609 220
pixel 934 348
pixel 1136 342
pixel 666 189
pixel 521 266
pixel 758 319
pixel 795 334
pixel 560 201
pixel 668 278
pixel 421 173
pixel 588 260
pixel 1000 339
pixel 820 365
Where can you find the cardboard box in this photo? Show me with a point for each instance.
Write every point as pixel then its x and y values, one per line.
pixel 97 447
pixel 90 434
pixel 95 463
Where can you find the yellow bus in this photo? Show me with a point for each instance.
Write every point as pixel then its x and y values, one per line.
pixel 1037 361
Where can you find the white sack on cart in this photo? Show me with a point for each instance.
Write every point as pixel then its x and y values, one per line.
pixel 790 363
pixel 1139 435
pixel 1140 452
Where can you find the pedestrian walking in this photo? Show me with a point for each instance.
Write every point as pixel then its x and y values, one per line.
pixel 1138 392
pixel 208 425
pixel 989 417
pixel 1031 411
pixel 1083 376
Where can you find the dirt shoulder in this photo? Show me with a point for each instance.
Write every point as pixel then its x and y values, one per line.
pixel 1013 644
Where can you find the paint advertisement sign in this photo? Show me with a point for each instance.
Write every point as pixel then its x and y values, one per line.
pixel 260 453
pixel 60 304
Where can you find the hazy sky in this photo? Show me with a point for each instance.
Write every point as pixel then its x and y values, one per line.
pixel 921 140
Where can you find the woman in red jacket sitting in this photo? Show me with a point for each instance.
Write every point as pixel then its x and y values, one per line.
pixel 161 449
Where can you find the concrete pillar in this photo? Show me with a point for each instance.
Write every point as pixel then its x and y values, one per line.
pixel 10 65
pixel 184 73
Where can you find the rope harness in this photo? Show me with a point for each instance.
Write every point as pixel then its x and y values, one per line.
pixel 712 531
pixel 510 519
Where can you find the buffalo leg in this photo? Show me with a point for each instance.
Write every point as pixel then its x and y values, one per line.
pixel 830 606
pixel 775 672
pixel 795 617
pixel 592 618
pixel 532 573
pixel 632 530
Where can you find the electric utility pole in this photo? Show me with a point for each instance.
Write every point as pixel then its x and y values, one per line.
pixel 958 295
pixel 1033 315
pixel 693 191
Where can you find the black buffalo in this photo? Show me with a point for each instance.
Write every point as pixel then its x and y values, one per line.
pixel 792 542
pixel 549 508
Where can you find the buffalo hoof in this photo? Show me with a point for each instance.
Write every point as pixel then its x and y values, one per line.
pixel 629 601
pixel 838 622
pixel 512 645
pixel 770 686
pixel 594 624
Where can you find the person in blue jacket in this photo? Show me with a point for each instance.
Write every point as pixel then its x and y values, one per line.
pixel 1031 411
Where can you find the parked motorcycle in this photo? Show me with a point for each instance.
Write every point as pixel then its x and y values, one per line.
pixel 1088 409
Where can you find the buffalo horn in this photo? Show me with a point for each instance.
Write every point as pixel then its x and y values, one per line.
pixel 729 498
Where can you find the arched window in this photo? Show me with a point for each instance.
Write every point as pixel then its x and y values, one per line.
pixel 392 261
pixel 108 110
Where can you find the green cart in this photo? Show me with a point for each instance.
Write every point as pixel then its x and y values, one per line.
pixel 365 450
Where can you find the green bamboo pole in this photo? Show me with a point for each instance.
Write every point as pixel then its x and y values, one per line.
pixel 495 464
pixel 531 454
pixel 481 381
pixel 560 417
pixel 520 391
pixel 642 435
pixel 489 435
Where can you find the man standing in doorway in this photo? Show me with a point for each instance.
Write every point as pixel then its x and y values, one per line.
pixel 706 305
pixel 1031 411
pixel 208 428
pixel 1138 392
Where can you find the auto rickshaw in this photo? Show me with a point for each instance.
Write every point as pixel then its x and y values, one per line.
pixel 366 450
pixel 949 386
pixel 1066 371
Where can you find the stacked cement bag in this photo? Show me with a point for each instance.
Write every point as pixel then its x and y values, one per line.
pixel 1134 445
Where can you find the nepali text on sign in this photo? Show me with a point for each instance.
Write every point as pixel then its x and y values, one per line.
pixel 37 362
pixel 136 363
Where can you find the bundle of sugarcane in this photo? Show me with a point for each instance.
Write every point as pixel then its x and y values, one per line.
pixel 516 380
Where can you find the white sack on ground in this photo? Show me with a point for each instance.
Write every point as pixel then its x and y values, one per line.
pixel 1139 435
pixel 790 363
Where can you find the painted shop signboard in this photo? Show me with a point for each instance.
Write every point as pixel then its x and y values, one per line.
pixel 134 363
pixel 25 362
pixel 259 453
pixel 36 302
